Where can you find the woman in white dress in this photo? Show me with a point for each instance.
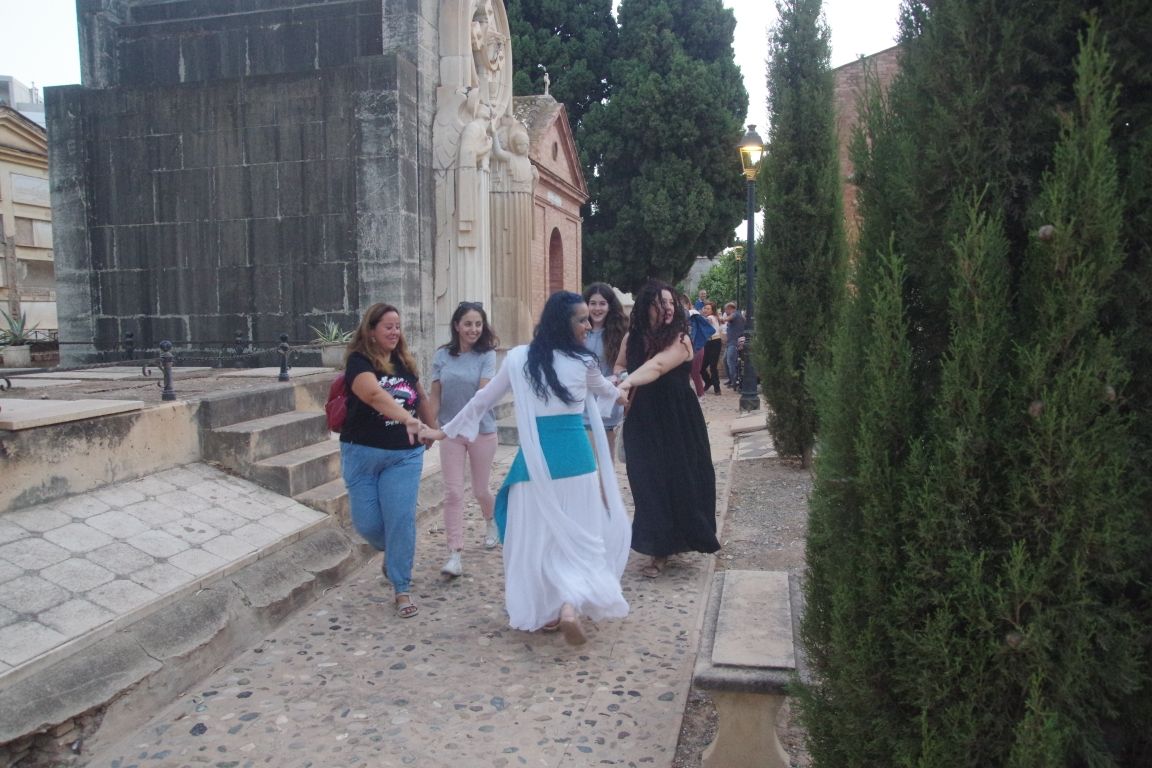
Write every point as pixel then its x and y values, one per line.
pixel 566 534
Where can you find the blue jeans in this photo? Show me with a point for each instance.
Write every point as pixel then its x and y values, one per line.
pixel 382 489
pixel 730 356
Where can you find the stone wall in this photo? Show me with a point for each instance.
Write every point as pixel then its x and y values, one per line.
pixel 233 165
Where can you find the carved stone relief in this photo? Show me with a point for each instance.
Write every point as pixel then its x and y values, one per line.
pixel 480 164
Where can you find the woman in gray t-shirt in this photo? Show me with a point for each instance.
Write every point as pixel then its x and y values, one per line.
pixel 460 368
pixel 609 324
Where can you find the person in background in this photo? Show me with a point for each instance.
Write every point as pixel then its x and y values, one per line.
pixel 709 366
pixel 731 344
pixel 609 324
pixel 559 510
pixel 669 458
pixel 701 298
pixel 460 369
pixel 381 457
pixel 697 337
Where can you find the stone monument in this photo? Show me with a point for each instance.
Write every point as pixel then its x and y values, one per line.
pixel 473 169
pixel 265 169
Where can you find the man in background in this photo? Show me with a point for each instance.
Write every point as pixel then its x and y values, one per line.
pixel 735 329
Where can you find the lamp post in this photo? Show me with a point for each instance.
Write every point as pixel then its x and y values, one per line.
pixel 751 152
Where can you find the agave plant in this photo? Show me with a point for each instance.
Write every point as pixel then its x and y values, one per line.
pixel 18 332
pixel 330 333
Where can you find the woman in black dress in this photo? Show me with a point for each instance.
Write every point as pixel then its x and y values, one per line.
pixel 665 439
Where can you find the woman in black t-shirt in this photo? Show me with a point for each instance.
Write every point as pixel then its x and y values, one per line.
pixel 380 454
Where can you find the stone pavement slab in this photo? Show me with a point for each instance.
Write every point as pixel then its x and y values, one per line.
pixel 28 382
pixel 755 445
pixel 272 373
pixel 751 422
pixel 74 570
pixel 94 374
pixel 120 373
pixel 16 414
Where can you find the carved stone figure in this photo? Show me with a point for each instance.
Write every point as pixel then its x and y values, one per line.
pixel 513 182
pixel 472 184
pixel 475 86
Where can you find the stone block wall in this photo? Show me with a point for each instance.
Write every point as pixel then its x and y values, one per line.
pixel 249 166
pixel 255 205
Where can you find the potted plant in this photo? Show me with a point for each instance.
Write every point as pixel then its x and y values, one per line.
pixel 16 337
pixel 333 342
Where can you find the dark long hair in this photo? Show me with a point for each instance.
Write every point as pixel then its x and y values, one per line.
pixel 644 340
pixel 615 322
pixel 488 339
pixel 362 343
pixel 554 334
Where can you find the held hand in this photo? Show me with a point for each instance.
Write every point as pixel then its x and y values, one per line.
pixel 430 435
pixel 414 427
pixel 625 389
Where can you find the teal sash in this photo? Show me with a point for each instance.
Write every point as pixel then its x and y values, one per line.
pixel 567 452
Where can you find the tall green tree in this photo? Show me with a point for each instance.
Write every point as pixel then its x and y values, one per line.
pixel 996 610
pixel 725 280
pixel 800 270
pixel 666 184
pixel 574 42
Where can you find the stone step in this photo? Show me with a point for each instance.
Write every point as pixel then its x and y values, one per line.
pixel 504 409
pixel 241 445
pixel 219 409
pixel 330 498
pixel 506 431
pixel 296 471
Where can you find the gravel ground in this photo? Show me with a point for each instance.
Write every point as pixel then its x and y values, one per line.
pixel 764 529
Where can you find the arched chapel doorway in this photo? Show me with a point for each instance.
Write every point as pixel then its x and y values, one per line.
pixel 555 262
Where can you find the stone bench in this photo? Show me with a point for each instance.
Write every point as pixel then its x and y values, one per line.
pixel 747 660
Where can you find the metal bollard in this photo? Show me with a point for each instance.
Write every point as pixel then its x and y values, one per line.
pixel 166 359
pixel 129 345
pixel 283 358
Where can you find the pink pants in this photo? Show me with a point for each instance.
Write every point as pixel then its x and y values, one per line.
pixel 479 454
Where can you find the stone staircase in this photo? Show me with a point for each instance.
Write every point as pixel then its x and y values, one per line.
pixel 291 451
pixel 286 450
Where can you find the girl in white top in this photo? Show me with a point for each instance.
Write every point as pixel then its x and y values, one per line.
pixel 566 534
pixel 460 369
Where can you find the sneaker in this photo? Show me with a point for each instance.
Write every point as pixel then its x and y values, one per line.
pixel 453 567
pixel 491 535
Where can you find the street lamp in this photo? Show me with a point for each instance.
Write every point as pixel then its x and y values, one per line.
pixel 751 152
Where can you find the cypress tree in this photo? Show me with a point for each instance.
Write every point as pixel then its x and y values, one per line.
pixel 800 269
pixel 1072 508
pixel 854 530
pixel 1013 626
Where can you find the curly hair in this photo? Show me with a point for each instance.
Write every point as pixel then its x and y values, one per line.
pixel 645 340
pixel 554 334
pixel 488 339
pixel 362 343
pixel 615 322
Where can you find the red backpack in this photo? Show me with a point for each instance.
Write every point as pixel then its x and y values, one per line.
pixel 337 404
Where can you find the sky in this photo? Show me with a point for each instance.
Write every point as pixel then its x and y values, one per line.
pixel 40 45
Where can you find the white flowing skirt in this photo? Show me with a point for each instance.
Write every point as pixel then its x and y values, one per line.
pixel 539 574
